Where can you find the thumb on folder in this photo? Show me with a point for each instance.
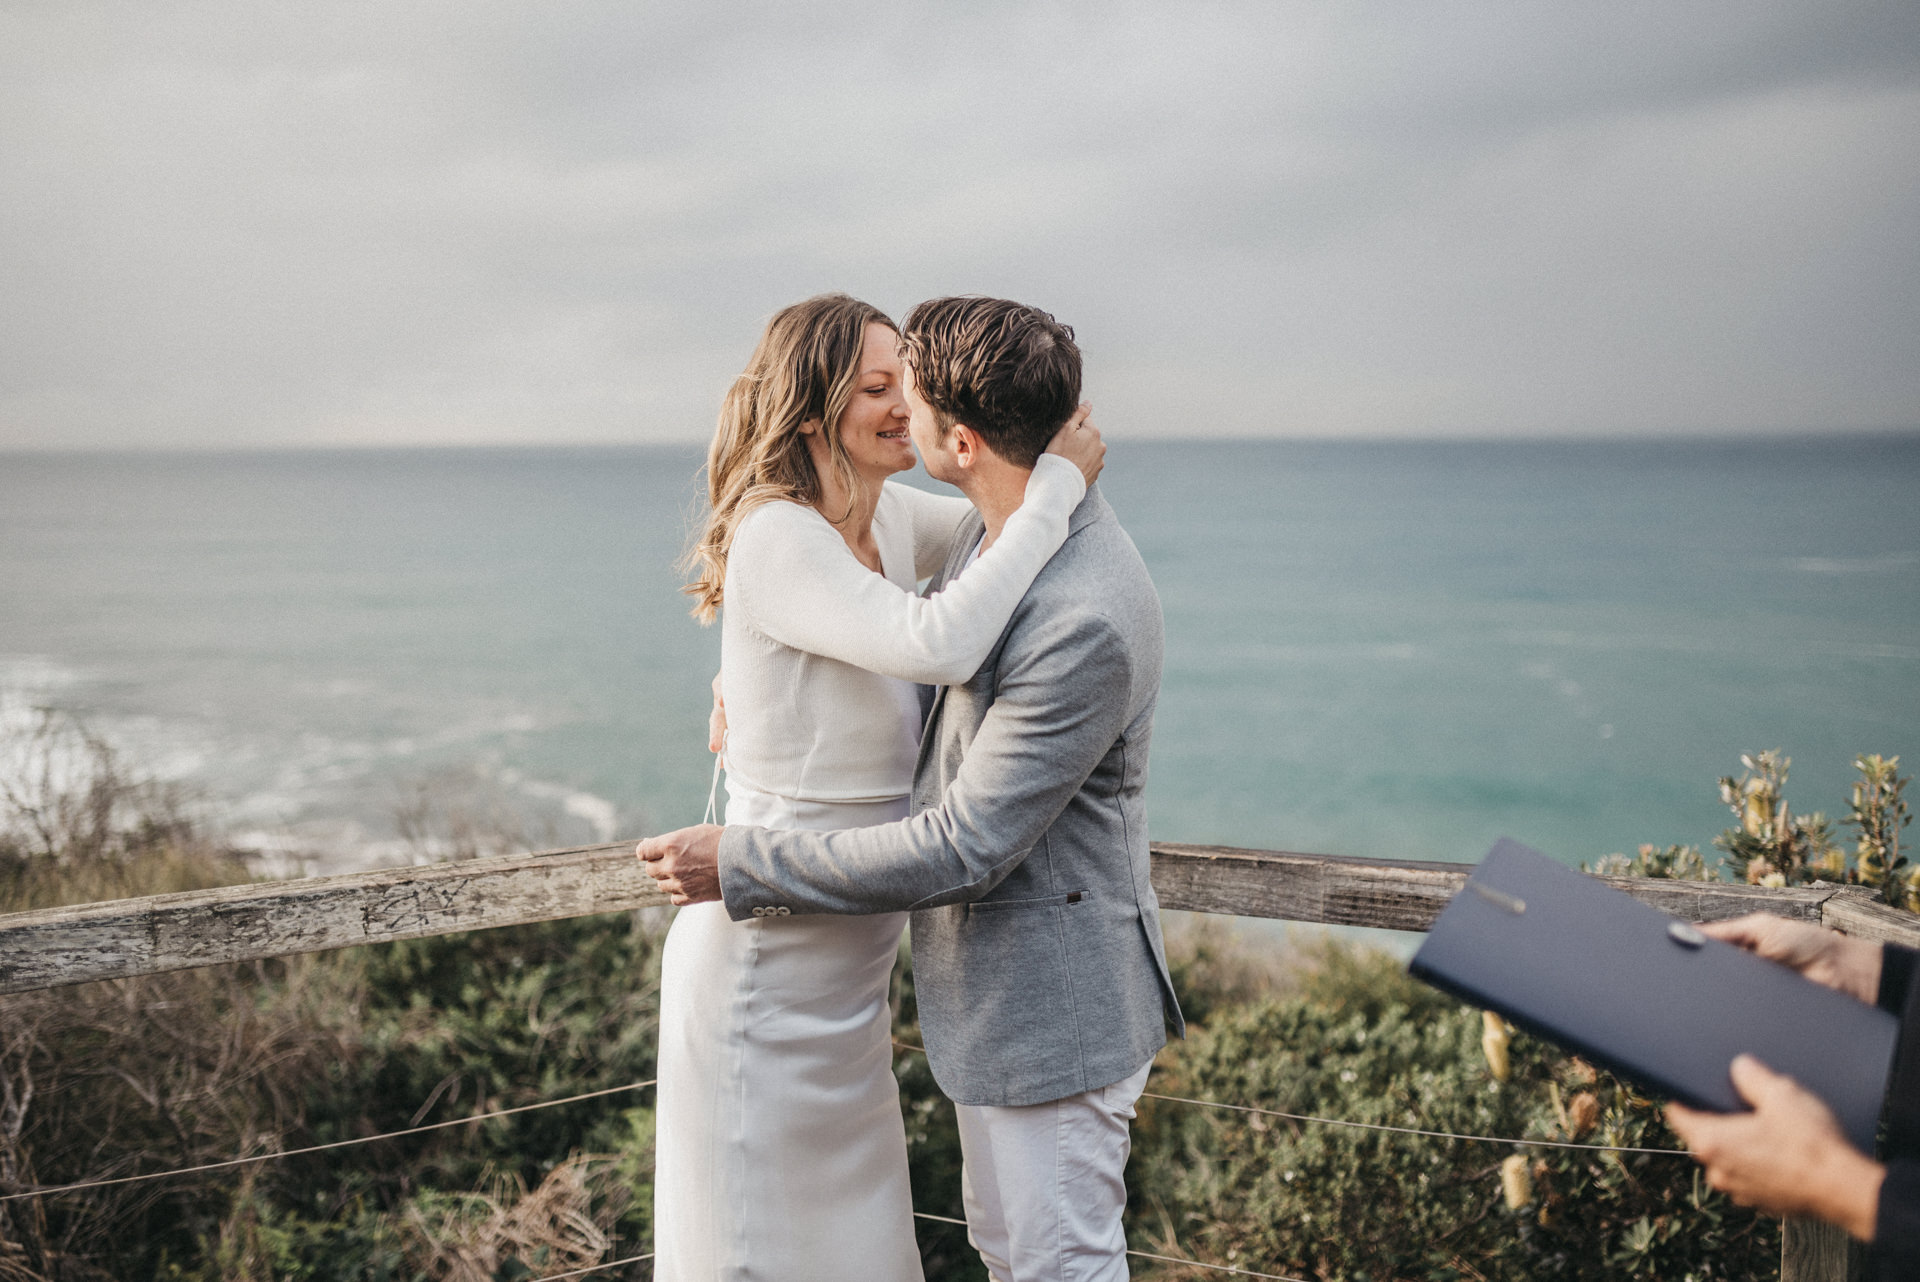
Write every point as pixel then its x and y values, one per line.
pixel 1851 966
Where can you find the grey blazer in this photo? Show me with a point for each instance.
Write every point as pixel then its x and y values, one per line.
pixel 1038 961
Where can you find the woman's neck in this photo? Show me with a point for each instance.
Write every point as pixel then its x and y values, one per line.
pixel 851 512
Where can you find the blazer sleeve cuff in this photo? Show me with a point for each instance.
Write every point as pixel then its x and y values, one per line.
pixel 1896 976
pixel 740 892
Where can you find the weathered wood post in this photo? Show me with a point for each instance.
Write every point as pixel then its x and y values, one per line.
pixel 1814 1252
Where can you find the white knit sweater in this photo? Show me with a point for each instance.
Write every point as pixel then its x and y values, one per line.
pixel 819 655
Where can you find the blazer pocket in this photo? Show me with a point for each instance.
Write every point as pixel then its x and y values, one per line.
pixel 1016 905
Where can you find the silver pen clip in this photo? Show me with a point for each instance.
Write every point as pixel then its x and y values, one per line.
pixel 1499 898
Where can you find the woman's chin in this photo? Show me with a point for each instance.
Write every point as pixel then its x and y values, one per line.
pixel 875 470
pixel 901 460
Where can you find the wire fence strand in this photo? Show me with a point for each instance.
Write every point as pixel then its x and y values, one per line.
pixel 1413 1130
pixel 1216 1268
pixel 1381 1126
pixel 594 1268
pixel 1144 1255
pixel 321 1148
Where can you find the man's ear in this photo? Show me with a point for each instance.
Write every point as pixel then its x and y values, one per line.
pixel 967 447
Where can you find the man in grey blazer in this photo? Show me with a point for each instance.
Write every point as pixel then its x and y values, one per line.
pixel 1038 962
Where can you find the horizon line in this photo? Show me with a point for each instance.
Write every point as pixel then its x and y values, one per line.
pixel 1764 436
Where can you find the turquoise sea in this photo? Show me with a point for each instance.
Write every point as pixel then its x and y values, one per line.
pixel 1399 650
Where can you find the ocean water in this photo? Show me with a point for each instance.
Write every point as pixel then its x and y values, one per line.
pixel 1396 650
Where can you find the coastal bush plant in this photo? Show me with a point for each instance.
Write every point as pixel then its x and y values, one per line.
pixel 177 1070
pixel 1770 845
pixel 1355 1039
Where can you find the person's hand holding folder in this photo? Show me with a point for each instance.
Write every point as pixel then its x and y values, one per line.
pixel 1789 1156
pixel 1786 1157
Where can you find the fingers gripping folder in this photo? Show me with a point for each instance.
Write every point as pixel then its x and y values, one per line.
pixel 1646 995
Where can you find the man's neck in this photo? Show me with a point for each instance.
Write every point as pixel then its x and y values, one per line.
pixel 997 491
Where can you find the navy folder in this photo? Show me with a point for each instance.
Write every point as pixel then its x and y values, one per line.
pixel 1569 958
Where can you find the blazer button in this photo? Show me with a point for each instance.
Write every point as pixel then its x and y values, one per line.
pixel 759 912
pixel 784 911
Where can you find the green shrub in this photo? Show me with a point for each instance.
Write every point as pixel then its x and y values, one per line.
pixel 197 1066
pixel 1877 812
pixel 1358 1040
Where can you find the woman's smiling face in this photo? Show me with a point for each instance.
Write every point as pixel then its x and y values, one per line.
pixel 873 427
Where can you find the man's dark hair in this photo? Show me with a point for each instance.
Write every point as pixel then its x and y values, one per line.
pixel 1008 371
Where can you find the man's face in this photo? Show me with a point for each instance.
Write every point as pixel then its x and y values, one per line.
pixel 923 425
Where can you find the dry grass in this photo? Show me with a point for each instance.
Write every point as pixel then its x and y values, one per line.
pixel 76 827
pixel 155 1073
pixel 555 1226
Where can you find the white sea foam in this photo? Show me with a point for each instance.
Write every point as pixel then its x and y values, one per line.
pixel 1566 687
pixel 33 674
pixel 1855 564
pixel 35 759
pixel 1638 642
pixel 290 806
pixel 597 811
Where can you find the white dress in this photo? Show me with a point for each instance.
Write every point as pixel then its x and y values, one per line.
pixel 780 1151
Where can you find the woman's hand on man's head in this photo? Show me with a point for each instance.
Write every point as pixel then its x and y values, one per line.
pixel 1078 441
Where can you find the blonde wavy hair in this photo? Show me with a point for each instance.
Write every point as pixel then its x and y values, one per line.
pixel 803 370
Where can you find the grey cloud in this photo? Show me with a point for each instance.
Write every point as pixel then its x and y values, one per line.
pixel 224 223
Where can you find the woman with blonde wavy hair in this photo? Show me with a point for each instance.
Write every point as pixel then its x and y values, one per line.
pixel 780 1151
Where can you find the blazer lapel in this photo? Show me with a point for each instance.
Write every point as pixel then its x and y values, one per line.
pixel 964 538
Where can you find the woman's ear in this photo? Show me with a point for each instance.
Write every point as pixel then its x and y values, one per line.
pixel 809 427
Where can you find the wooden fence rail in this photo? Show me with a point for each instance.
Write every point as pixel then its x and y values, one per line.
pixel 125 937
pixel 122 938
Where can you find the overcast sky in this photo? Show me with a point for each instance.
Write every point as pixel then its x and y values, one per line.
pixel 231 223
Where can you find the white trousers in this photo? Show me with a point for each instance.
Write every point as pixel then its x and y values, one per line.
pixel 1044 1184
